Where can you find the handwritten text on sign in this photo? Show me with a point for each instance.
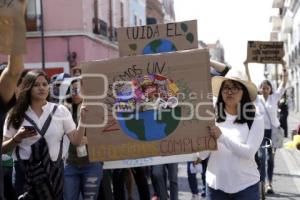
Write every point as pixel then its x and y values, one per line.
pixel 157 38
pixel 265 52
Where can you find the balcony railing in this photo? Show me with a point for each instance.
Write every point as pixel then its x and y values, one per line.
pixel 32 22
pixel 101 27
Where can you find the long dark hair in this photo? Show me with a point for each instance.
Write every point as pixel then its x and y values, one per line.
pixel 246 109
pixel 267 82
pixel 17 113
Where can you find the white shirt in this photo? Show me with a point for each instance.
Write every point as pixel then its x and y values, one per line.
pixel 271 107
pixel 62 123
pixel 232 168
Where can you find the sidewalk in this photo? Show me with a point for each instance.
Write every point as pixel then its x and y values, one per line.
pixel 286 180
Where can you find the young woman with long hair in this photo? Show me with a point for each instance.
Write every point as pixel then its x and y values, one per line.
pixel 24 125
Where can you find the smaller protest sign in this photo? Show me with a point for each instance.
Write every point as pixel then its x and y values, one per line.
pixel 265 52
pixel 12 26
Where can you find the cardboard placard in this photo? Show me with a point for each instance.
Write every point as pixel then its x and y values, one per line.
pixel 12 27
pixel 265 52
pixel 157 38
pixel 180 130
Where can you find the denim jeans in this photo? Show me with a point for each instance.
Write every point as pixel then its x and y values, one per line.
pixel 250 193
pixel 158 174
pixel 266 155
pixel 84 180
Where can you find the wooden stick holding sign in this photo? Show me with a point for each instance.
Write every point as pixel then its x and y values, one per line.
pixel 12 26
pixel 264 52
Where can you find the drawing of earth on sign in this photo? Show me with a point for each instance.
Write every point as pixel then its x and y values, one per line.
pixel 147 128
pixel 147 109
pixel 158 46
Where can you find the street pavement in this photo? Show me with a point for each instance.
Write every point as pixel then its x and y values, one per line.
pixel 287 168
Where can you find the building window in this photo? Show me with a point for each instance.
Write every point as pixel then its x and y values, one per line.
pixel 95 19
pixel 141 22
pixel 122 14
pixel 32 16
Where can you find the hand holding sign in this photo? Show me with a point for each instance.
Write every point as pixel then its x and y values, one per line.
pixel 12 26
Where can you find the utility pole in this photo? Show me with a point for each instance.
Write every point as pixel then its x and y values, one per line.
pixel 110 20
pixel 42 37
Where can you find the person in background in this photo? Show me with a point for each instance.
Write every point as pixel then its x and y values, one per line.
pixel 121 177
pixel 232 171
pixel 192 178
pixel 8 82
pixel 284 113
pixel 9 77
pixel 82 177
pixel 160 175
pixel 76 71
pixel 269 100
pixel 7 161
pixel 19 137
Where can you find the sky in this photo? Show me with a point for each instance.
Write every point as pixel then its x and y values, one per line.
pixel 233 22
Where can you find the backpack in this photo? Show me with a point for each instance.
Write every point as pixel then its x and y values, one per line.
pixel 43 177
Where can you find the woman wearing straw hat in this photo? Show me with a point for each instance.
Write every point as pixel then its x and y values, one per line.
pixel 232 171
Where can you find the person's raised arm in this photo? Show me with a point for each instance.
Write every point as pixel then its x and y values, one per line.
pixel 284 75
pixel 10 77
pixel 220 67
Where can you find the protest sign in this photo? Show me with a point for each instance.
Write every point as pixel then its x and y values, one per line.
pixel 165 98
pixel 12 26
pixel 265 52
pixel 157 38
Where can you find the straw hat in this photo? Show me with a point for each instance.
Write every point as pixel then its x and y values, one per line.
pixel 235 76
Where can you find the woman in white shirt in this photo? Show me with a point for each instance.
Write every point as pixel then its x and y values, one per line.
pixel 32 102
pixel 232 171
pixel 268 101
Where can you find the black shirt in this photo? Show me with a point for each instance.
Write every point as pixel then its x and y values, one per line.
pixel 4 108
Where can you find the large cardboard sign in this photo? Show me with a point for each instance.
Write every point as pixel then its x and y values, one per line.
pixel 157 38
pixel 12 27
pixel 149 105
pixel 265 52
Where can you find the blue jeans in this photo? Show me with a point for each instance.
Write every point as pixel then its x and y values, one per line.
pixel 266 155
pixel 250 193
pixel 82 179
pixel 158 174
